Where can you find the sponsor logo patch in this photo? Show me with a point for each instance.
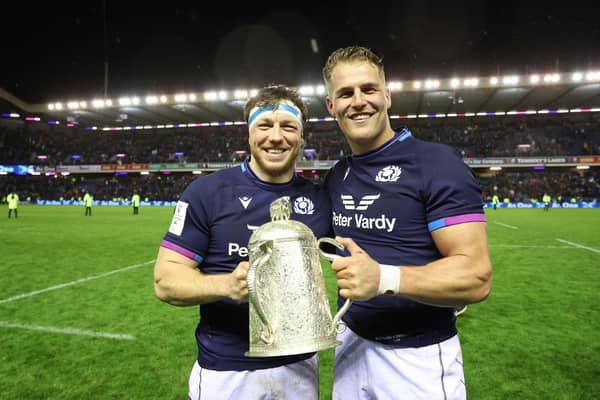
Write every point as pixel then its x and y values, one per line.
pixel 178 220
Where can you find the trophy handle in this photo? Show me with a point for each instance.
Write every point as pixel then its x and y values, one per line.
pixel 267 249
pixel 337 323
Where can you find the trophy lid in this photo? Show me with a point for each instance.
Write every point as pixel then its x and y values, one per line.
pixel 280 209
pixel 281 226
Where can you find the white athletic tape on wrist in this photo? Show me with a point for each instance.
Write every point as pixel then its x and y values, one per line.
pixel 389 279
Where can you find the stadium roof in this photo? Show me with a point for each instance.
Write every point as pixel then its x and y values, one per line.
pixel 408 102
pixel 77 52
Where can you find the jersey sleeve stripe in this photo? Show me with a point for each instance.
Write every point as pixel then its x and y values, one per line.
pixel 455 220
pixel 181 250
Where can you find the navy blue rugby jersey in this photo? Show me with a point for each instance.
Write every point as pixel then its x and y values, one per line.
pixel 212 223
pixel 389 201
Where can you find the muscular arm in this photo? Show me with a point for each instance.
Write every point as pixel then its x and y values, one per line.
pixel 462 276
pixel 178 282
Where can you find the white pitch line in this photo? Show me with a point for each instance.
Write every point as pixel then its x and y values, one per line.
pixel 78 281
pixel 530 246
pixel 579 246
pixel 506 225
pixel 68 331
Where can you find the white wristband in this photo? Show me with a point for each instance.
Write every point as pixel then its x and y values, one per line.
pixel 389 279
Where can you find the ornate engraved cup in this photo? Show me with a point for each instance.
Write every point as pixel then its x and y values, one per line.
pixel 289 308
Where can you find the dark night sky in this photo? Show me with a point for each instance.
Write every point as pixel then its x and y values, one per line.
pixel 57 50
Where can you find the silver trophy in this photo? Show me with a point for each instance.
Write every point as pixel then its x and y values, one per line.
pixel 289 308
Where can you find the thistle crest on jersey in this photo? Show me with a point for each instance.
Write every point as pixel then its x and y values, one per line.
pixel 391 173
pixel 303 205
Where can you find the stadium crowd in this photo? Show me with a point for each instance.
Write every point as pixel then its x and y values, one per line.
pixel 45 145
pixel 550 135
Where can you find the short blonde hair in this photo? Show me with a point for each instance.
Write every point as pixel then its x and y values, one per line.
pixel 349 54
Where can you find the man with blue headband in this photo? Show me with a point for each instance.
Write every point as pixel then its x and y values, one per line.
pixel 203 257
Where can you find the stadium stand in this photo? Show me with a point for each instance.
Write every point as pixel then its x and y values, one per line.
pixel 49 147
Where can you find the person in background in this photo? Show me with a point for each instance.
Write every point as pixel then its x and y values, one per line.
pixel 410 215
pixel 135 202
pixel 202 259
pixel 495 201
pixel 88 201
pixel 546 199
pixel 13 203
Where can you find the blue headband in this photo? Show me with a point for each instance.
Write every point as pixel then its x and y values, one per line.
pixel 286 107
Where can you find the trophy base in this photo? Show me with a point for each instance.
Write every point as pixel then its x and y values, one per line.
pixel 290 348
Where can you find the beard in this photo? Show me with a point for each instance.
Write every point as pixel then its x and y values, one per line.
pixel 276 170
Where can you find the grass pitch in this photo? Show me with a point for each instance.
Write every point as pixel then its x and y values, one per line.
pixel 78 316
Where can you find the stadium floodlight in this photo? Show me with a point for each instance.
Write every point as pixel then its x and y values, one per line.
pixel 593 76
pixel 151 99
pixel 306 90
pixel 98 103
pixel 320 89
pixel 163 99
pixel 394 86
pixel 125 101
pixel 552 78
pixel 454 82
pixel 240 94
pixel 417 84
pixel 510 80
pixel 210 96
pixel 535 78
pixel 431 84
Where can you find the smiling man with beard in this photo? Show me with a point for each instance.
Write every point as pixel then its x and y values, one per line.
pixel 203 257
